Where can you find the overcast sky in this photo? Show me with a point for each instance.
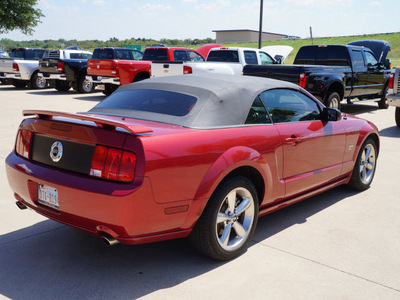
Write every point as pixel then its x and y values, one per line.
pixel 181 19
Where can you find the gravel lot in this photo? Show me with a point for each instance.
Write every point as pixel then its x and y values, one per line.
pixel 338 245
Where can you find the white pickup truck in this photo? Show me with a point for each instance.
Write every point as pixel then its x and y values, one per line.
pixel 393 97
pixel 22 68
pixel 224 60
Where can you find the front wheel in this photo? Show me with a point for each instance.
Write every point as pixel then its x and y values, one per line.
pixel 364 169
pixel 333 100
pixel 228 222
pixel 397 116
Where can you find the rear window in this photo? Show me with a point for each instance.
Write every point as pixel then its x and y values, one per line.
pixel 224 55
pixel 80 56
pixel 153 101
pixel 155 54
pixel 103 53
pixel 325 55
pixel 32 54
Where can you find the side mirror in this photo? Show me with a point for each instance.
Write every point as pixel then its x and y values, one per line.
pixel 331 114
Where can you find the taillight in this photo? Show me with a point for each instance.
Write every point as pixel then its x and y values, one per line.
pixel 114 164
pixel 60 67
pixel 114 68
pixel 187 70
pixel 302 80
pixel 15 67
pixel 23 144
pixel 391 81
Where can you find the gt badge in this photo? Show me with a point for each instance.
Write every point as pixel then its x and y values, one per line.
pixel 56 151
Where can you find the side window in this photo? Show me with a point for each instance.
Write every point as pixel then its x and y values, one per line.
pixel 358 60
pixel 180 55
pixel 371 60
pixel 123 54
pixel 250 57
pixel 137 55
pixel 286 105
pixel 265 59
pixel 194 56
pixel 258 113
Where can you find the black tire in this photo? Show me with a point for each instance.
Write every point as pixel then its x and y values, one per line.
pixel 140 77
pixel 109 89
pixel 62 86
pixel 19 83
pixel 333 100
pixel 37 82
pixel 383 103
pixel 218 220
pixel 84 86
pixel 397 116
pixel 365 166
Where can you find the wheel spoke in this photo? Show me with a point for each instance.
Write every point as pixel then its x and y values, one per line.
pixel 240 231
pixel 222 217
pixel 243 206
pixel 231 201
pixel 370 166
pixel 224 239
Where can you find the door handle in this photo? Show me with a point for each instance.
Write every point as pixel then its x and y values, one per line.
pixel 294 140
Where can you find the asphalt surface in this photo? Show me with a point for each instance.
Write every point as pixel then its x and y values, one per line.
pixel 337 245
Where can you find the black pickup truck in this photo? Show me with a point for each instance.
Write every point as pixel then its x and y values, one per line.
pixel 334 72
pixel 64 69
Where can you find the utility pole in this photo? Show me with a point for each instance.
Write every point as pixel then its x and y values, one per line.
pixel 260 31
pixel 312 41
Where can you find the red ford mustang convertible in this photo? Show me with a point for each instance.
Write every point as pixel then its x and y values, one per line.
pixel 187 156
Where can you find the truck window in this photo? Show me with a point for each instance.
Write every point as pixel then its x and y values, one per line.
pixel 155 54
pixel 358 60
pixel 322 55
pixel 137 55
pixel 265 59
pixel 34 54
pixel 17 53
pixel 123 54
pixel 180 55
pixel 103 53
pixel 371 60
pixel 223 55
pixel 250 57
pixel 194 56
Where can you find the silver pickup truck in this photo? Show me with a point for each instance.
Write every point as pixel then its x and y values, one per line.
pixel 22 68
pixel 394 97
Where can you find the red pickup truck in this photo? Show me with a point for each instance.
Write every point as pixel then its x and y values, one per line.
pixel 108 70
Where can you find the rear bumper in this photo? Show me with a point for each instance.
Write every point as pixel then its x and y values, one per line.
pixel 50 76
pixel 10 75
pixel 394 100
pixel 103 80
pixel 126 212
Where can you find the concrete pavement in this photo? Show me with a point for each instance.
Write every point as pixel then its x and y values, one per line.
pixel 337 245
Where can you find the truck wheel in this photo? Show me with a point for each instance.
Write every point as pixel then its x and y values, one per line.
pixel 333 100
pixel 38 82
pixel 365 166
pixel 62 86
pixel 19 83
pixel 383 104
pixel 109 89
pixel 84 86
pixel 228 222
pixel 397 116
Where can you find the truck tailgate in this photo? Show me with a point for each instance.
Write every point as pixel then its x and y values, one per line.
pixel 101 68
pixel 6 66
pixel 166 68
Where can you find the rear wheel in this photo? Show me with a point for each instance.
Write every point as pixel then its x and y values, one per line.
pixel 228 222
pixel 333 100
pixel 364 169
pixel 62 86
pixel 109 89
pixel 84 86
pixel 383 103
pixel 38 82
pixel 397 116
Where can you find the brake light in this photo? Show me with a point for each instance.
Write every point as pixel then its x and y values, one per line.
pixel 15 67
pixel 23 143
pixel 114 164
pixel 187 70
pixel 60 67
pixel 391 81
pixel 114 68
pixel 302 80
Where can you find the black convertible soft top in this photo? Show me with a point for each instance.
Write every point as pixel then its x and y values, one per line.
pixel 222 100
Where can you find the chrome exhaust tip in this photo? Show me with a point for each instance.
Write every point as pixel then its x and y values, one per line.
pixel 109 240
pixel 21 205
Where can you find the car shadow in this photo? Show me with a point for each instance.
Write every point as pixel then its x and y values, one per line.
pixel 356 109
pixel 393 131
pixel 47 259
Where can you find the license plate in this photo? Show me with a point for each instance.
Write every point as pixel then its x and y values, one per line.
pixel 48 196
pixel 100 87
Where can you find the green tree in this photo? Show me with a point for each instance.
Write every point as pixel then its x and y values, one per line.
pixel 19 14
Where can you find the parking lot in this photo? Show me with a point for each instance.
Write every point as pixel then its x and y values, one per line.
pixel 337 245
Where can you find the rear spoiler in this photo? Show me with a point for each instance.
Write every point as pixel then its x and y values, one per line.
pixel 100 122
